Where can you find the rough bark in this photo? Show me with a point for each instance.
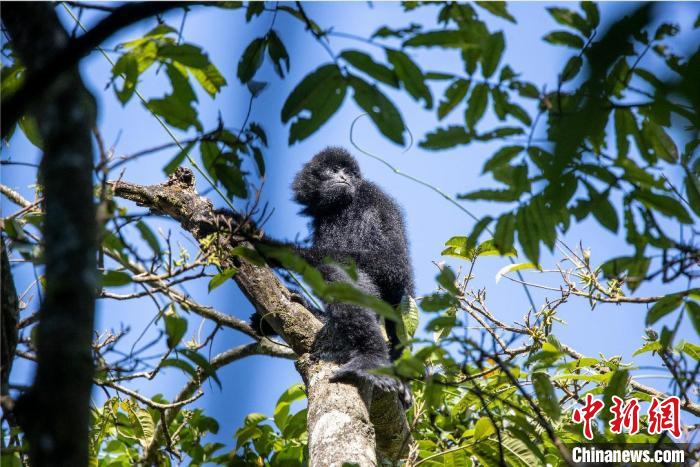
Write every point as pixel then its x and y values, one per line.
pixel 9 314
pixel 54 413
pixel 345 424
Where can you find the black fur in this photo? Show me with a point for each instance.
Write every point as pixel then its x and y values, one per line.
pixel 352 218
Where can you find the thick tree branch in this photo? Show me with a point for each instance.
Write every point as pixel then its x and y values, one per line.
pixel 339 423
pixel 64 335
pixel 48 67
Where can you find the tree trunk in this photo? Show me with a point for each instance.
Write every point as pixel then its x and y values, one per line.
pixel 338 420
pixel 55 412
pixel 9 316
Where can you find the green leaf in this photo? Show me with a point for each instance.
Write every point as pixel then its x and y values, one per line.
pixel 210 78
pixel 175 112
pixel 149 237
pixel 459 247
pixel 278 53
pixel 514 267
pixel 443 325
pixel 571 69
pixel 617 386
pixel 501 157
pixel 176 161
pixel 406 328
pixel 281 413
pixel 653 346
pixel 491 195
pixel 30 129
pixel 321 93
pixel 381 110
pixel 254 9
pixel 692 191
pixel 691 350
pixel 410 75
pixel 127 68
pixel 231 176
pixel 498 9
pixel 447 279
pixel 605 213
pixel 544 390
pixel 487 248
pixel 347 293
pixel 175 329
pixel 476 106
pixel 483 428
pixel 602 209
pixel 180 82
pixel 182 365
pixel 664 204
pixel 453 96
pixel 141 422
pixel 660 142
pixel 518 112
pixel 527 234
pixel 222 277
pixel 444 138
pixel 491 53
pixel 592 14
pixel 663 307
pixel 366 64
pixel 114 279
pixel 443 38
pixel 203 363
pixel 251 59
pixel 564 38
pixel 570 18
pixel 692 309
pixel 187 54
pixel 504 232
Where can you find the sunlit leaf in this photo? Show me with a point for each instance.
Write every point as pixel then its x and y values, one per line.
pixel 512 268
pixel 221 277
pixel 498 9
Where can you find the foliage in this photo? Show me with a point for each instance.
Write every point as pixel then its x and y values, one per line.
pixel 616 143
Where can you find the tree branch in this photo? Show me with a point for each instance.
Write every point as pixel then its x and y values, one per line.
pixel 339 414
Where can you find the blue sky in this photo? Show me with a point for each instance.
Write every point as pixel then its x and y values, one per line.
pixel 254 384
